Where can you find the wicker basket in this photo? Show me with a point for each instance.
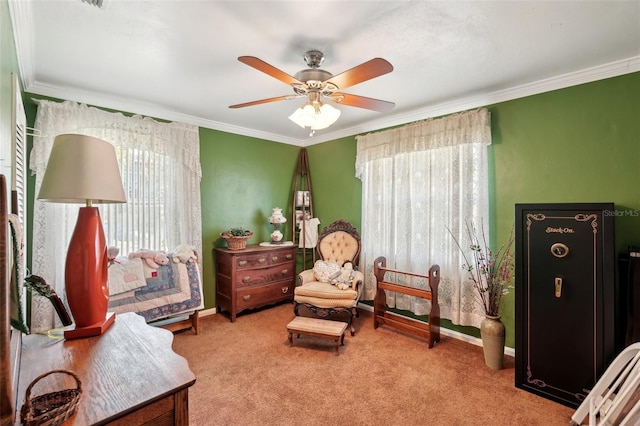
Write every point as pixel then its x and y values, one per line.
pixel 53 408
pixel 236 242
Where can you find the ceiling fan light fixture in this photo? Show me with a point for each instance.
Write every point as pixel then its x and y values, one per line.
pixel 315 118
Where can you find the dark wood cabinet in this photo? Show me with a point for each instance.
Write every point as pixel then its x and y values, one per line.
pixel 565 290
pixel 254 277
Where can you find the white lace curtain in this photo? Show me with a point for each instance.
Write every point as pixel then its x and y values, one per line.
pixel 418 182
pixel 160 167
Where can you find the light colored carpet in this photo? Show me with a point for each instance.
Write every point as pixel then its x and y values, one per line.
pixel 248 375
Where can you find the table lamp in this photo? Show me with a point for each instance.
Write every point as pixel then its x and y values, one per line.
pixel 277 219
pixel 83 169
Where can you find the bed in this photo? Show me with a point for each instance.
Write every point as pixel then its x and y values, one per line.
pixel 167 295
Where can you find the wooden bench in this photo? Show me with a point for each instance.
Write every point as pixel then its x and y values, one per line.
pixel 326 329
pixel 429 330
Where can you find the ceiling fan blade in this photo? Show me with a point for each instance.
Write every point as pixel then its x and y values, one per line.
pixel 363 72
pixel 261 65
pixel 362 102
pixel 265 101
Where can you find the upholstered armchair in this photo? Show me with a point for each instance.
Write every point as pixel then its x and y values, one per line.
pixel 334 285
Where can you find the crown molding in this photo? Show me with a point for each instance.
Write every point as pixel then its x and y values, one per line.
pixel 21 21
pixel 588 75
pixel 150 110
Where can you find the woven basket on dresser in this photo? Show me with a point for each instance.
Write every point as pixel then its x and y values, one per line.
pixel 236 242
pixel 53 408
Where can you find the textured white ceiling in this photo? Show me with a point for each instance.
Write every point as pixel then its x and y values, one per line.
pixel 177 60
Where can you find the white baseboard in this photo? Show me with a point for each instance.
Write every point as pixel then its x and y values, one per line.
pixel 452 333
pixel 207 312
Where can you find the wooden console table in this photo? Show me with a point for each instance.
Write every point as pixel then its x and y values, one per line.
pixel 130 374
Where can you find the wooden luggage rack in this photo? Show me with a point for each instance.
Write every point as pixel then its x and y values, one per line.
pixel 429 330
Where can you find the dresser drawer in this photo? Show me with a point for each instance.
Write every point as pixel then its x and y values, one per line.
pixel 250 261
pixel 259 260
pixel 280 257
pixel 253 297
pixel 252 277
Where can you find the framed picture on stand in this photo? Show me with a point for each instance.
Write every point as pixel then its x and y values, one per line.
pixel 303 198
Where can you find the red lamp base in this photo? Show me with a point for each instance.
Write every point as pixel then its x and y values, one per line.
pixel 91 330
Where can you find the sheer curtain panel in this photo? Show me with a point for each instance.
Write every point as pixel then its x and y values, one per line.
pixel 419 182
pixel 160 168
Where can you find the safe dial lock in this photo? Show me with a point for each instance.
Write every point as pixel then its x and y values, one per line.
pixel 559 250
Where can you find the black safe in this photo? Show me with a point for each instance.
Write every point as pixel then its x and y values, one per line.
pixel 565 298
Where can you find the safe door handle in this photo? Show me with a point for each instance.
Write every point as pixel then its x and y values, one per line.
pixel 558 287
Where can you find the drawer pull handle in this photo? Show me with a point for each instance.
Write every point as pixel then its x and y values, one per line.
pixel 285 290
pixel 262 260
pixel 274 258
pixel 284 271
pixel 289 256
pixel 242 262
pixel 246 297
pixel 246 279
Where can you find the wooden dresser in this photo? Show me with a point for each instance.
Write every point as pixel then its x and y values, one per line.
pixel 254 277
pixel 130 375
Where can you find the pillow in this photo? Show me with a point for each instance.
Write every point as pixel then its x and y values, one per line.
pixel 325 271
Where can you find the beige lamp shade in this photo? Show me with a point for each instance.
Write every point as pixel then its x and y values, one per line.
pixel 82 169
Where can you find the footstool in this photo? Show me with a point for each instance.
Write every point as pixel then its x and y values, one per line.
pixel 326 329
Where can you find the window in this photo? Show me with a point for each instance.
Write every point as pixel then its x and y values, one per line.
pixel 160 169
pixel 420 182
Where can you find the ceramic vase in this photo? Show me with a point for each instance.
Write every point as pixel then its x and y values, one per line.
pixel 493 333
pixel 86 270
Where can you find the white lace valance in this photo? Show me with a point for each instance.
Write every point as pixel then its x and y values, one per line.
pixel 471 127
pixel 143 132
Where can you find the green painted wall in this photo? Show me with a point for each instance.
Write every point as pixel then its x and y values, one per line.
pixel 337 193
pixel 243 179
pixel 580 144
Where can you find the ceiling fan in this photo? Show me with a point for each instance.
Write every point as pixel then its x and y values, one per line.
pixel 317 84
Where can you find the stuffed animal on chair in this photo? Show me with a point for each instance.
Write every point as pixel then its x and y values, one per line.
pixel 345 279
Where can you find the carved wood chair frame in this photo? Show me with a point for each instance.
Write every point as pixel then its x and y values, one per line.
pixel 338 225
